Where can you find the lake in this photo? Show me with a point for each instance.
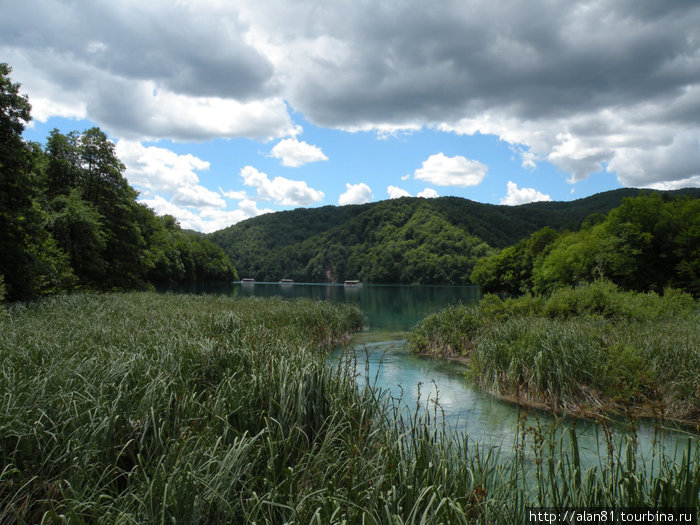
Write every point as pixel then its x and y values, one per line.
pixel 383 362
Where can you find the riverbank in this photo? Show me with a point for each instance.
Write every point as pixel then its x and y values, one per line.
pixel 145 408
pixel 589 352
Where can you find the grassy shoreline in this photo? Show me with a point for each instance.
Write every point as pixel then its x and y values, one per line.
pixel 590 351
pixel 146 408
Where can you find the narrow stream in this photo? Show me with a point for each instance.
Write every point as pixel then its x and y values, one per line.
pixel 382 361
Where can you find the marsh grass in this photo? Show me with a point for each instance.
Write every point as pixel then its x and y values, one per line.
pixel 145 408
pixel 587 350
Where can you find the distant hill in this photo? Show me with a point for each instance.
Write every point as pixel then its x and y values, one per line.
pixel 407 240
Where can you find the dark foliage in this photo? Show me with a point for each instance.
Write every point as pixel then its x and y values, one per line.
pixel 407 240
pixel 69 219
pixel 648 243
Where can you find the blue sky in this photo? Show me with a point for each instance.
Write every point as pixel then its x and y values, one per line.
pixel 222 112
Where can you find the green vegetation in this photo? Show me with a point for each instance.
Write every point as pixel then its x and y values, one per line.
pixel 144 408
pixel 587 350
pixel 648 243
pixel 69 219
pixel 407 240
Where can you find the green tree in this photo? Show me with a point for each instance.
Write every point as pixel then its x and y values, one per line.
pixel 30 259
pixel 63 172
pixel 77 227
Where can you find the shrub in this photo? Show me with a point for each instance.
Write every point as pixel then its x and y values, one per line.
pixel 626 374
pixel 447 332
pixel 493 307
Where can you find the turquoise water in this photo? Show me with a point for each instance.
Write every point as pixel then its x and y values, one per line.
pixel 390 309
pixel 436 386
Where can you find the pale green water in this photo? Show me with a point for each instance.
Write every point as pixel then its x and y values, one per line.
pixel 383 362
pixel 390 309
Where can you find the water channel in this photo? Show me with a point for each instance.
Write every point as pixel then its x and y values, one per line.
pixel 384 362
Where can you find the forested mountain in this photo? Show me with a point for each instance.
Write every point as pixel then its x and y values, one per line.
pixel 407 240
pixel 647 243
pixel 69 219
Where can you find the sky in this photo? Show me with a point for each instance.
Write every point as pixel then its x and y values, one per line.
pixel 222 110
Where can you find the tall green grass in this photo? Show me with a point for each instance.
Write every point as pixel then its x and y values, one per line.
pixel 591 349
pixel 143 408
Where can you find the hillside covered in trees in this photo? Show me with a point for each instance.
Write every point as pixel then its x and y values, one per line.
pixel 407 240
pixel 69 219
pixel 648 243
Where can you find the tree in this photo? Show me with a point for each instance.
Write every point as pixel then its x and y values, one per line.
pixel 30 260
pixel 63 171
pixel 77 227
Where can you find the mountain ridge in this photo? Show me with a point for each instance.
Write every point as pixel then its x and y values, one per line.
pixel 406 240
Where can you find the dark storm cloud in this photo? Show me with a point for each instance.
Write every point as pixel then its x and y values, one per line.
pixel 420 62
pixel 178 48
pixel 589 85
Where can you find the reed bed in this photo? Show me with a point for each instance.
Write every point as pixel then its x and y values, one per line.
pixel 586 351
pixel 145 408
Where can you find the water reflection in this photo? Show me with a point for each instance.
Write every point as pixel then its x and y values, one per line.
pixel 383 362
pixel 389 308
pixel 388 366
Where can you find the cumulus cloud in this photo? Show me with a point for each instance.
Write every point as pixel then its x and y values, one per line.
pixel 234 195
pixel 158 169
pixel 451 171
pixel 396 192
pixel 280 190
pixel 602 85
pixel 161 170
pixel 355 194
pixel 690 182
pixel 293 153
pixel 207 220
pixel 586 88
pixel 517 195
pixel 197 197
pixel 428 193
pixel 120 66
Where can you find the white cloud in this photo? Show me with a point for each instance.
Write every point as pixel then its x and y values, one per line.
pixel 690 182
pixel 550 87
pixel 451 171
pixel 197 197
pixel 187 218
pixel 517 195
pixel 294 153
pixel 233 195
pixel 355 194
pixel 160 170
pixel 396 192
pixel 280 190
pixel 428 193
pixel 207 220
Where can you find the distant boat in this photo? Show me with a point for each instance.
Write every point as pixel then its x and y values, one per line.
pixel 286 281
pixel 247 280
pixel 353 283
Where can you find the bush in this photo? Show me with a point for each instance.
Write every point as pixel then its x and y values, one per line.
pixel 590 344
pixel 448 332
pixel 603 298
pixel 626 373
pixel 493 307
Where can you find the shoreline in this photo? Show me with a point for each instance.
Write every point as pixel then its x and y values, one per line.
pixel 598 409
